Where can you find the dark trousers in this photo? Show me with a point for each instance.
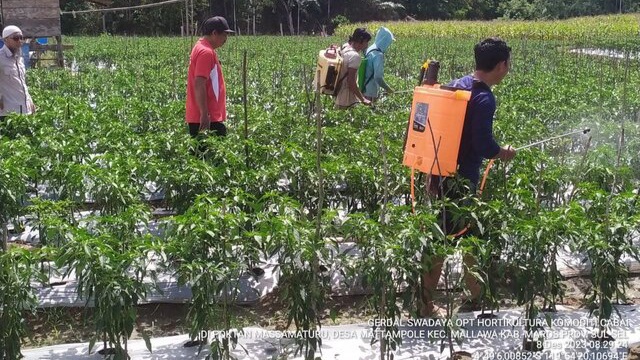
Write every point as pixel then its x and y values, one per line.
pixel 218 127
pixel 455 189
pixel 194 131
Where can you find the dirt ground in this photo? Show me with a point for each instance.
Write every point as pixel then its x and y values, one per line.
pixel 71 325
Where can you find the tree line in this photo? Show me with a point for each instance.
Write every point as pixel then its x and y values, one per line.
pixel 291 17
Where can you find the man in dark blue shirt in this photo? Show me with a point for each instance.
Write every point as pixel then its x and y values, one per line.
pixel 493 60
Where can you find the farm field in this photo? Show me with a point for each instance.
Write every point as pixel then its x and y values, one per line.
pixel 101 189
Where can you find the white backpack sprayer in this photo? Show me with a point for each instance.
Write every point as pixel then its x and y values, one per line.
pixel 329 66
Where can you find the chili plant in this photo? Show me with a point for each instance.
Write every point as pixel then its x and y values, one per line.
pixel 53 219
pixel 457 215
pixel 110 271
pixel 303 285
pixel 605 243
pixel 209 242
pixel 18 268
pixel 390 256
pixel 12 184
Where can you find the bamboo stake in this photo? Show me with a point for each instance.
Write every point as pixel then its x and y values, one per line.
pixel 5 236
pixel 244 103
pixel 383 340
pixel 318 155
pixel 383 222
pixel 318 238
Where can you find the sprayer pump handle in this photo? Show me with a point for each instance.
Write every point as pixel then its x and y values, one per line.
pixel 331 52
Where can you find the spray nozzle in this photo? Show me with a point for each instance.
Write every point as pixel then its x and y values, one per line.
pixel 586 130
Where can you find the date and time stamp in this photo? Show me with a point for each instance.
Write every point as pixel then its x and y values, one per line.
pixel 563 340
pixel 528 355
pixel 558 344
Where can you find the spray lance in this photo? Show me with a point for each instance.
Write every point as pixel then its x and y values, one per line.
pixel 584 131
pixel 490 164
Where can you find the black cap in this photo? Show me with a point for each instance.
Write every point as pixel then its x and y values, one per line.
pixel 215 23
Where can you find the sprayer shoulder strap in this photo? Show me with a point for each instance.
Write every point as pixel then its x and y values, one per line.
pixel 371 76
pixel 343 51
pixel 339 82
pixel 372 50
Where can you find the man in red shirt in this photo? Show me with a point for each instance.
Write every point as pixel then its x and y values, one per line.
pixel 206 92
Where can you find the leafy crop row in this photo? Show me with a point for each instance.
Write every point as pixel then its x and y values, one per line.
pixel 605 27
pixel 111 129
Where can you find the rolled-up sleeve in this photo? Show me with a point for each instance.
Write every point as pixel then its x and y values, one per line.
pixel 482 127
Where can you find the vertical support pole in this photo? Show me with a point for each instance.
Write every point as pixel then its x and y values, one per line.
pixel 186 18
pixel 5 236
pixel 318 158
pixel 60 55
pixel 244 103
pixel 235 21
pixel 191 21
pixel 383 222
pixel 298 6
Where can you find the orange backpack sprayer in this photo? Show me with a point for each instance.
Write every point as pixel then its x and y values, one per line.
pixel 435 126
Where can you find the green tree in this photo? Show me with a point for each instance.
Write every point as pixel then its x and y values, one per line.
pixel 551 9
pixel 518 9
pixel 79 24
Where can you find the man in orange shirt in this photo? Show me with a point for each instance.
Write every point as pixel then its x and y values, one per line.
pixel 206 92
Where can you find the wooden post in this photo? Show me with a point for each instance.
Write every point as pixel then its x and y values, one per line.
pixel 60 55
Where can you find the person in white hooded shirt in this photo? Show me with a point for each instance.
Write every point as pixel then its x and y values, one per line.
pixel 14 94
